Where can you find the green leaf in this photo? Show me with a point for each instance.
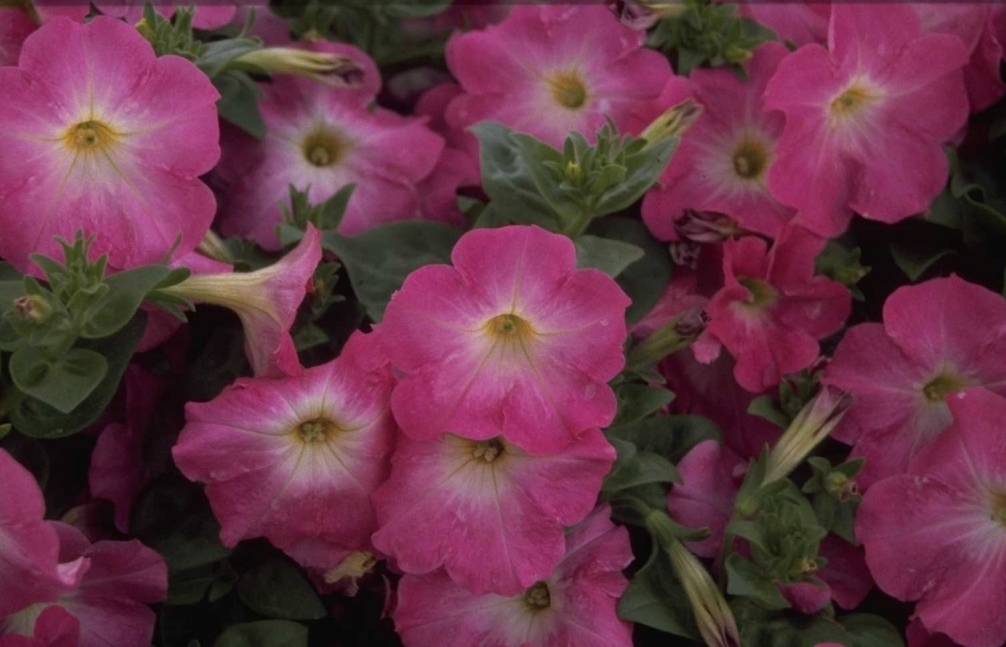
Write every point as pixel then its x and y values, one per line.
pixel 217 55
pixel 670 436
pixel 646 279
pixel 238 103
pixel 640 468
pixel 610 256
pixel 264 633
pixel 64 382
pixel 746 580
pixel 378 260
pixel 655 598
pixel 276 589
pixel 637 401
pixel 914 259
pixel 126 291
pixel 39 420
pixel 642 171
pixel 764 406
pixel 190 586
pixel 566 201
pixel 508 181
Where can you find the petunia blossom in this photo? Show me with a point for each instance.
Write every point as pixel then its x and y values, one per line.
pixel 296 459
pixel 266 302
pixel 320 139
pixel 15 26
pixel 772 310
pixel 723 161
pixel 491 514
pixel 936 338
pixel 797 21
pixel 554 69
pixel 104 586
pixel 511 341
pixel 97 133
pixel 573 607
pixel 937 534
pixel 866 118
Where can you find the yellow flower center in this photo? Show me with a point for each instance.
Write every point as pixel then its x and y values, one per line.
pixel 88 136
pixel 852 101
pixel 750 159
pixel 762 294
pixel 490 450
pixel 318 430
pixel 324 147
pixel 537 597
pixel 568 90
pixel 998 505
pixel 937 389
pixel 509 330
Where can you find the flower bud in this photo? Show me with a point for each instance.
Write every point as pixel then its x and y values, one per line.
pixel 673 336
pixel 685 253
pixel 213 247
pixel 675 121
pixel 328 69
pixel 815 421
pixel 713 616
pixel 265 301
pixel 32 308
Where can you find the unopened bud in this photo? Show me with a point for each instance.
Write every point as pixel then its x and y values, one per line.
pixel 675 335
pixel 573 173
pixel 706 226
pixel 675 121
pixel 713 616
pixel 32 308
pixel 634 15
pixel 212 246
pixel 815 421
pixel 841 486
pixel 330 69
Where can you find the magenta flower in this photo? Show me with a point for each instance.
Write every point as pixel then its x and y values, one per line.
pixel 534 73
pixel 97 133
pixel 794 20
pixel 320 139
pixel 54 627
pixel 938 533
pixel 15 26
pixel 512 340
pixel 488 512
pixel 711 474
pixel 295 459
pixel 105 586
pixel 117 472
pixel 937 338
pixel 866 118
pixel 723 160
pixel 573 607
pixel 773 309
pixel 208 16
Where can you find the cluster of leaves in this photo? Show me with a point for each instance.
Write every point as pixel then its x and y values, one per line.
pixel 65 343
pixel 707 34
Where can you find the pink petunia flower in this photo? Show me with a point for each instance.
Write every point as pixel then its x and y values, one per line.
pixel 937 338
pixel 206 16
pixel 104 586
pixel 512 340
pixel 16 25
pixel 488 512
pixel 797 21
pixel 320 139
pixel 548 70
pixel 773 309
pixel 54 627
pixel 295 459
pixel 973 24
pixel 866 118
pixel 723 160
pixel 711 474
pixel 573 607
pixel 117 472
pixel 266 302
pixel 938 533
pixel 97 133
